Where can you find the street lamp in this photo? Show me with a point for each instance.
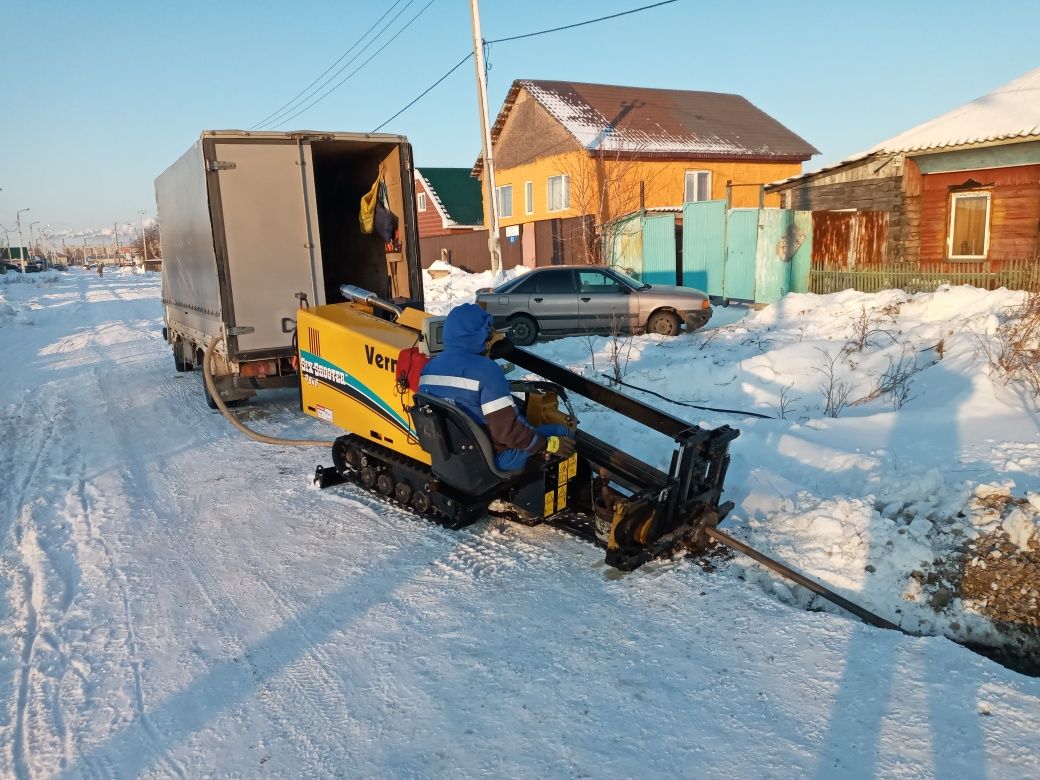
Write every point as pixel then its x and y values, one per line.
pixel 21 241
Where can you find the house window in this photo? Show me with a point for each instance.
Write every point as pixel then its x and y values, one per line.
pixel 968 238
pixel 698 186
pixel 559 193
pixel 529 197
pixel 421 201
pixel 504 198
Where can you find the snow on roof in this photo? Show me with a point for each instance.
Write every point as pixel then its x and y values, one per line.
pixel 1011 112
pixel 660 122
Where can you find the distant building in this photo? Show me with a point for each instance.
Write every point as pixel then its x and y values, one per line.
pixel 959 189
pixel 448 201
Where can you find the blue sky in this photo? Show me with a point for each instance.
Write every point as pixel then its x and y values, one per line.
pixel 101 96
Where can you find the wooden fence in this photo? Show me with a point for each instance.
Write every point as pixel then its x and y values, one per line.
pixel 1019 274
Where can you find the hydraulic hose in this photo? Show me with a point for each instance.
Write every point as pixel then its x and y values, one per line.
pixel 211 386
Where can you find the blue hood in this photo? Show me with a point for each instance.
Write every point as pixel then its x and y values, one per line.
pixel 467 328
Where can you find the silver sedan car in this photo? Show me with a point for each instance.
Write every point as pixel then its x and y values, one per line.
pixel 569 299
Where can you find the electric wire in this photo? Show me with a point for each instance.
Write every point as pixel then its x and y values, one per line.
pixel 333 65
pixel 279 116
pixel 486 43
pixel 426 91
pixel 581 24
pixel 354 72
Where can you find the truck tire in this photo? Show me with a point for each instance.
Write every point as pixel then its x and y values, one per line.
pixel 178 359
pixel 663 323
pixel 209 399
pixel 523 330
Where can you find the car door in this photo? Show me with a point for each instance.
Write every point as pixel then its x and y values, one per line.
pixel 604 303
pixel 554 302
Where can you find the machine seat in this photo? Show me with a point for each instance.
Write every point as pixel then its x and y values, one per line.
pixel 461 450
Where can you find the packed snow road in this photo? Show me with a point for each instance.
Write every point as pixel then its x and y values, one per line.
pixel 179 601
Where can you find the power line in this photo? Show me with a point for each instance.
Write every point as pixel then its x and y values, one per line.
pixel 280 116
pixel 425 92
pixel 582 24
pixel 458 64
pixel 350 75
pixel 333 65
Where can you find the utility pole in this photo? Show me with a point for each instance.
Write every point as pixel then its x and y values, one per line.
pixel 31 239
pixel 21 241
pixel 144 241
pixel 115 232
pixel 490 192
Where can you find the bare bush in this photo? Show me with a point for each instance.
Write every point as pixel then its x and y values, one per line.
pixel 785 404
pixel 1016 354
pixel 835 392
pixel 895 381
pixel 862 327
pixel 619 346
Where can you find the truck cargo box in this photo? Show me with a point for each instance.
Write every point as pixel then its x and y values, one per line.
pixel 255 225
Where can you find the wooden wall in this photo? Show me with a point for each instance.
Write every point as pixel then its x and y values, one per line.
pixel 1014 211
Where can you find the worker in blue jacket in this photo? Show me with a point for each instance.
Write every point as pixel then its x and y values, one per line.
pixel 465 374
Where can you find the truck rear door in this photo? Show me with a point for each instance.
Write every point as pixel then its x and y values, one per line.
pixel 263 193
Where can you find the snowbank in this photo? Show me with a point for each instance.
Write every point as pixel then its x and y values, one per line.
pixel 887 422
pixel 447 286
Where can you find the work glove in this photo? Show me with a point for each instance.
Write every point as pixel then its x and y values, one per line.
pixel 560 445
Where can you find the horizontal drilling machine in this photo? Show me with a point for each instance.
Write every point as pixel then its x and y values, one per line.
pixel 359 363
pixel 429 456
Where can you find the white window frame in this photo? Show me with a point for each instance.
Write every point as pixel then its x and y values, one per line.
pixel 529 197
pixel 420 201
pixel 951 229
pixel 695 173
pixel 498 200
pixel 566 192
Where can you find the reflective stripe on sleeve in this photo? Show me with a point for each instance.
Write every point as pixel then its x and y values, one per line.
pixel 499 403
pixel 449 381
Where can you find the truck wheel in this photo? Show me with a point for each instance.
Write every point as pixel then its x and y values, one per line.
pixel 523 330
pixel 209 399
pixel 663 323
pixel 178 359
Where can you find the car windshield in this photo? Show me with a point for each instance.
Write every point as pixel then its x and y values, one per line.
pixel 633 283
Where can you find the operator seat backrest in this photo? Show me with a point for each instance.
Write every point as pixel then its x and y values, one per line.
pixel 460 449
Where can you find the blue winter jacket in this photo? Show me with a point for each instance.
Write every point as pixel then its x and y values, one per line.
pixel 475 382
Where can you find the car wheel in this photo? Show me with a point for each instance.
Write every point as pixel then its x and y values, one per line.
pixel 663 323
pixel 523 330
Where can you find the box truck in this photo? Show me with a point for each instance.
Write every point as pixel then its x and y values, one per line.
pixel 254 226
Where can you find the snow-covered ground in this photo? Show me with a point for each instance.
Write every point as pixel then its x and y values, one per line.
pixel 176 600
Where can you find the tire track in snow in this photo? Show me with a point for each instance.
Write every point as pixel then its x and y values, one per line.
pixel 309 702
pixel 28 567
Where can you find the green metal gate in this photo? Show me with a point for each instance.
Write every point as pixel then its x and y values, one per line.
pixel 659 266
pixel 783 253
pixel 704 246
pixel 741 246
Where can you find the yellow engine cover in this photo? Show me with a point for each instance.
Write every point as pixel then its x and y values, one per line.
pixel 348 366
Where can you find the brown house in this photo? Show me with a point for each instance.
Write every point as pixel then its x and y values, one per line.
pixel 570 157
pixel 961 189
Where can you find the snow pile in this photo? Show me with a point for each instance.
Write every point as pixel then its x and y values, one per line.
pixel 886 422
pixel 43 277
pixel 446 286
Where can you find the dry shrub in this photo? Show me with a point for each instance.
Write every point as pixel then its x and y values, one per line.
pixel 1016 354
